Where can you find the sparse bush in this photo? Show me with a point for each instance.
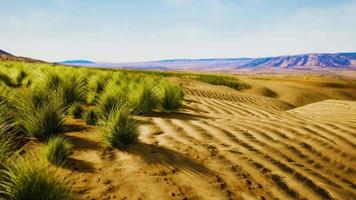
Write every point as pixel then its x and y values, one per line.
pixel 171 96
pixel 91 116
pixel 144 97
pixel 57 150
pixel 20 180
pixel 119 129
pixel 76 110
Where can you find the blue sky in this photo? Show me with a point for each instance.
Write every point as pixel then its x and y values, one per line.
pixel 137 30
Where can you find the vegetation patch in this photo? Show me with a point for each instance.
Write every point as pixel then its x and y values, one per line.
pixel 76 110
pixel 57 150
pixel 20 180
pixel 91 116
pixel 171 96
pixel 119 129
pixel 144 98
pixel 40 114
pixel 228 81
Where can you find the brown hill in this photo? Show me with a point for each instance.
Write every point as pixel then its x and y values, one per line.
pixel 7 56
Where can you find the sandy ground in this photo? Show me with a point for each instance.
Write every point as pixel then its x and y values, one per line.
pixel 225 144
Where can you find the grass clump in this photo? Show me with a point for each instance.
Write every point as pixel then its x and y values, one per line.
pixel 111 99
pixel 7 133
pixel 40 114
pixel 4 78
pixel 76 110
pixel 57 150
pixel 71 91
pixel 20 180
pixel 95 86
pixel 171 96
pixel 5 92
pixel 144 97
pixel 91 116
pixel 49 80
pixel 119 129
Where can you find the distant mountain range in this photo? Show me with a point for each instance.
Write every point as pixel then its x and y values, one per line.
pixel 313 61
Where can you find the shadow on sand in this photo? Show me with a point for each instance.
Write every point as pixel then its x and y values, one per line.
pixel 80 143
pixel 156 155
pixel 176 115
pixel 79 165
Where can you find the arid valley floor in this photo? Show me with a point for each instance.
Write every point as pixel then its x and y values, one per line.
pixel 285 138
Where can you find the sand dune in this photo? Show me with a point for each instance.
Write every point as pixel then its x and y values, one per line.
pixel 226 144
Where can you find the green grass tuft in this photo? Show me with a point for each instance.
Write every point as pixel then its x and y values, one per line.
pixel 20 180
pixel 112 98
pixel 57 150
pixel 7 133
pixel 91 116
pixel 171 96
pixel 143 97
pixel 72 90
pixel 40 114
pixel 76 110
pixel 6 79
pixel 119 129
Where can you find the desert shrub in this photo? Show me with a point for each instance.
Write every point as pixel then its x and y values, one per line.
pixel 119 129
pixel 228 81
pixel 143 97
pixel 21 180
pixel 40 114
pixel 91 116
pixel 76 110
pixel 57 150
pixel 171 96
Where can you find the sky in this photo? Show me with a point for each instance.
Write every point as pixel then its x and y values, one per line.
pixel 142 30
